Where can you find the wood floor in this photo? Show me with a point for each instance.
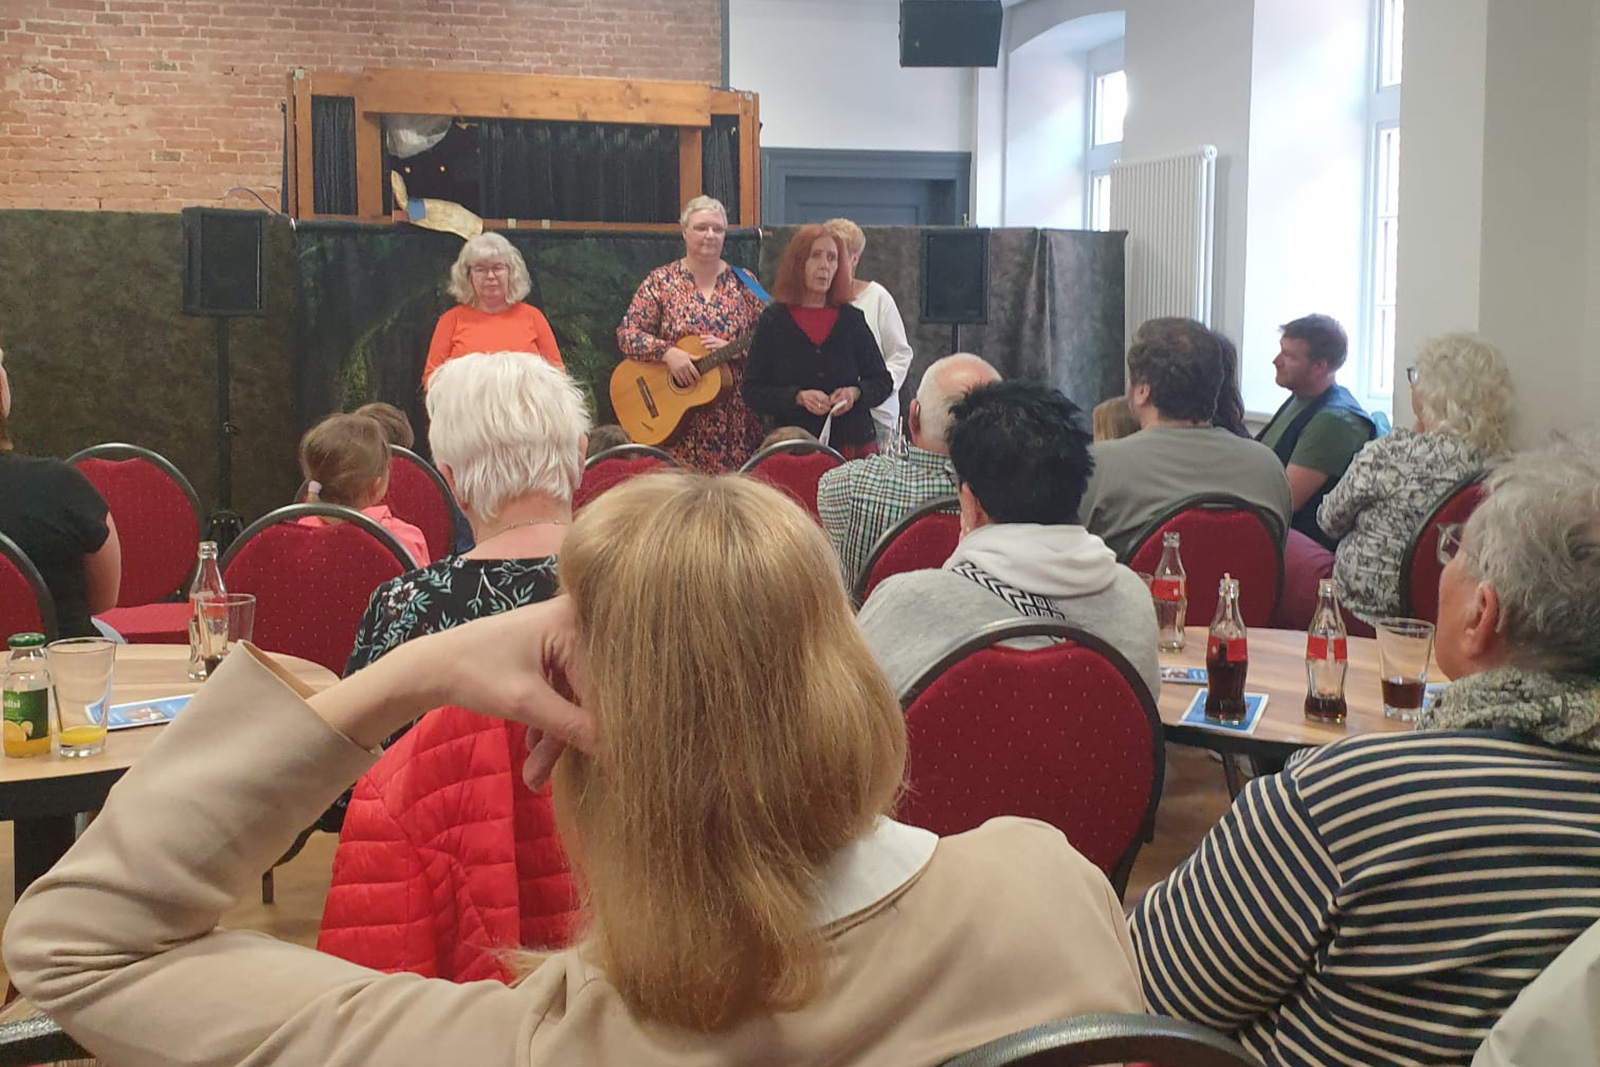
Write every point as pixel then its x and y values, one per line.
pixel 1195 797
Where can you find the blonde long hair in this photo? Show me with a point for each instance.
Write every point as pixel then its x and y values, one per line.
pixel 745 736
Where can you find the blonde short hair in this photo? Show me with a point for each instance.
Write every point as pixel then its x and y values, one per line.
pixel 702 203
pixel 1464 390
pixel 855 242
pixel 702 887
pixel 506 424
pixel 481 249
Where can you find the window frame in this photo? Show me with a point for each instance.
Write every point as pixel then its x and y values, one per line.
pixel 1378 368
pixel 1098 158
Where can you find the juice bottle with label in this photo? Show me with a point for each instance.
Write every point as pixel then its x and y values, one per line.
pixel 26 697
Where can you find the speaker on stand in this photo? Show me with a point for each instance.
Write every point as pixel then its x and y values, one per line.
pixel 955 278
pixel 223 280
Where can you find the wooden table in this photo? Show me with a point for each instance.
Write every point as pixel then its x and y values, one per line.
pixel 1278 668
pixel 41 795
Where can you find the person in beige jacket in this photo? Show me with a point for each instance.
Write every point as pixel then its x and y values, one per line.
pixel 722 782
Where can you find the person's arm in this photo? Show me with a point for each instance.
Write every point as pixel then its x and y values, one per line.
pixel 1303 483
pixel 102 571
pixel 1553 1020
pixel 896 347
pixel 545 338
pixel 637 336
pixel 766 386
pixel 1324 450
pixel 439 348
pixel 876 381
pixel 1358 490
pixel 119 941
pixel 1235 929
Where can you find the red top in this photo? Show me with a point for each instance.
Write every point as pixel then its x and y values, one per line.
pixel 815 323
pixel 462 329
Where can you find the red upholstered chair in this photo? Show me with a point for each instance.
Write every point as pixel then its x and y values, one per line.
pixel 1067 733
pixel 1088 1040
pixel 605 470
pixel 1220 535
pixel 1420 567
pixel 418 495
pixel 311 583
pixel 922 540
pixel 158 519
pixel 26 605
pixel 795 467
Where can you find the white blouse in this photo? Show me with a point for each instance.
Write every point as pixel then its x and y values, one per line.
pixel 883 317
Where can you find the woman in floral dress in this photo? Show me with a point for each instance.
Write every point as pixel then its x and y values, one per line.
pixel 698 295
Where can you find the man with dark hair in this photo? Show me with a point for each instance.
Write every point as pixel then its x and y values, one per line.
pixel 1320 428
pixel 1174 377
pixel 1021 458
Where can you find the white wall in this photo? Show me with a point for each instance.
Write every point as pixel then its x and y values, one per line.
pixel 829 76
pixel 1047 83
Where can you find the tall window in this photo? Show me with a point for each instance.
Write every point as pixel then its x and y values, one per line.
pixel 1108 104
pixel 1383 198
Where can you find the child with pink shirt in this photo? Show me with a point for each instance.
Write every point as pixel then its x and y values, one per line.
pixel 345 460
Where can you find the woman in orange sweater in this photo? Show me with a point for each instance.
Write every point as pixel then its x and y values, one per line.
pixel 489 280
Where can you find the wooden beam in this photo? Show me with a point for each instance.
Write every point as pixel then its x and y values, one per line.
pixel 533 96
pixel 369 165
pixel 305 200
pixel 750 161
pixel 691 180
pixel 291 130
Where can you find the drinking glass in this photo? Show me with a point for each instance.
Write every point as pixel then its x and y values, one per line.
pixel 1405 647
pixel 80 673
pixel 224 621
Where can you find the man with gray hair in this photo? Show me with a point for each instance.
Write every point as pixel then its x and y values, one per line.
pixel 861 499
pixel 1385 898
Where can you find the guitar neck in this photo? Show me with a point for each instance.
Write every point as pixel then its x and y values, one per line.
pixel 732 350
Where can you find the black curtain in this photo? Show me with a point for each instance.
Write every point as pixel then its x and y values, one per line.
pixel 578 172
pixel 333 155
pixel 719 162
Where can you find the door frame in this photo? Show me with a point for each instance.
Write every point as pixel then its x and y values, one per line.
pixel 778 165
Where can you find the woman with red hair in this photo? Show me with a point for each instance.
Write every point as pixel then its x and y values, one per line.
pixel 813 361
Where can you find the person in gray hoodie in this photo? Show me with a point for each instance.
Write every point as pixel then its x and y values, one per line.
pixel 1021 458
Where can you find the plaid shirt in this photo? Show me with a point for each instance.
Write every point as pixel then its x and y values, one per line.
pixel 861 499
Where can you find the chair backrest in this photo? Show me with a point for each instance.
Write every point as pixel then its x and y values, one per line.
pixel 26 605
pixel 1419 565
pixel 1088 1040
pixel 312 583
pixel 795 467
pixel 1220 534
pixel 608 469
pixel 29 1037
pixel 158 519
pixel 418 495
pixel 922 540
pixel 1067 733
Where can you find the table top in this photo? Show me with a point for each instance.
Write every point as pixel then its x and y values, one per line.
pixel 143 672
pixel 1278 669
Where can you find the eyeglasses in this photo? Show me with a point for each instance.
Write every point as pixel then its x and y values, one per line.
pixel 1411 374
pixel 1449 541
pixel 482 269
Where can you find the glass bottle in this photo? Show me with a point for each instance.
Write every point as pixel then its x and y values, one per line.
pixel 26 697
pixel 1170 591
pixel 1227 657
pixel 207 583
pixel 1327 658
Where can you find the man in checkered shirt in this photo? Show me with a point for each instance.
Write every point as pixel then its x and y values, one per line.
pixel 861 499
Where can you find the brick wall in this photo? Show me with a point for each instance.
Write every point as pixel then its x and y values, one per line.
pixel 151 105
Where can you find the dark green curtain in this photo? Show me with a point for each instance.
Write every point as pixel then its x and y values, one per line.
pixel 578 172
pixel 333 155
pixel 719 161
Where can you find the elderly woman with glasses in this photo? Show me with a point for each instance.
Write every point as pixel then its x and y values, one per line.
pixel 1462 398
pixel 489 281
pixel 1386 897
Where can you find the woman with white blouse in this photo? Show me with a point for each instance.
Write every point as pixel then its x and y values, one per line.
pixel 883 317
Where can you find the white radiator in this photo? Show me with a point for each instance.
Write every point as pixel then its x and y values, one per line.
pixel 1167 205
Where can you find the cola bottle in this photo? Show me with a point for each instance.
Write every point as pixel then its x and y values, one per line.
pixel 1327 658
pixel 1227 657
pixel 1170 591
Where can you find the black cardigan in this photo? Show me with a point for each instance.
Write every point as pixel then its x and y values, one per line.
pixel 783 362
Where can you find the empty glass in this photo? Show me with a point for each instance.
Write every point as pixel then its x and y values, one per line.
pixel 222 622
pixel 1405 647
pixel 80 674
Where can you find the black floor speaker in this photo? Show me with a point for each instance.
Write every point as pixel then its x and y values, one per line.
pixel 955 275
pixel 950 33
pixel 222 262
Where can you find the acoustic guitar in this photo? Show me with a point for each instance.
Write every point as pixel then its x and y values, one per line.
pixel 649 404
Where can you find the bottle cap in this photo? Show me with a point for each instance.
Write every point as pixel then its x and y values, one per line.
pixel 28 640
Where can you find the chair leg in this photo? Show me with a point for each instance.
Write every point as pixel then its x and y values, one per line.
pixel 294 850
pixel 1230 771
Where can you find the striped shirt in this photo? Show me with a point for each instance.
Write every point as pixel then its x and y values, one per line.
pixel 1381 901
pixel 859 500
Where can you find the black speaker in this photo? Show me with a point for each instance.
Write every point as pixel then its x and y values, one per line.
pixel 955 276
pixel 222 262
pixel 950 33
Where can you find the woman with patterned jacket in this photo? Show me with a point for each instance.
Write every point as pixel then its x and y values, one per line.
pixel 1461 395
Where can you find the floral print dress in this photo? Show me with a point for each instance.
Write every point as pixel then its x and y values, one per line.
pixel 668 306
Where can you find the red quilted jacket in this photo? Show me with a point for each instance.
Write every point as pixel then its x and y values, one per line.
pixel 447 858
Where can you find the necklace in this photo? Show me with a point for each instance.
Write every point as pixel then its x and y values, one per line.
pixel 525 522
